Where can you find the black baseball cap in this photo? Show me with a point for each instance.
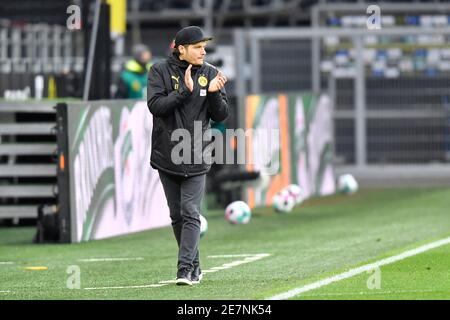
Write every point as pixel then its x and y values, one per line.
pixel 190 35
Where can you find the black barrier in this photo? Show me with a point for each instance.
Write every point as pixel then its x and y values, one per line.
pixel 63 173
pixel 100 81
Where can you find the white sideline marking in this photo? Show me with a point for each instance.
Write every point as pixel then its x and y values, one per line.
pixel 168 281
pixel 110 259
pixel 232 264
pixel 209 271
pixel 6 262
pixel 371 292
pixel 250 258
pixel 220 268
pixel 128 287
pixel 359 270
pixel 239 255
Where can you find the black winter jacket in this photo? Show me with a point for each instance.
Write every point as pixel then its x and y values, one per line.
pixel 173 106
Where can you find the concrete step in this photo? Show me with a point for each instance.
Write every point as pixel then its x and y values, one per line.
pixel 28 107
pixel 17 211
pixel 26 191
pixel 27 148
pixel 31 170
pixel 26 128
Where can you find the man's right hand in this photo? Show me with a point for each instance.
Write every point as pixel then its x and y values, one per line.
pixel 188 79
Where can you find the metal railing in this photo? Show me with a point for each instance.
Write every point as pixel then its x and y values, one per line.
pixel 390 125
pixel 39 48
pixel 27 152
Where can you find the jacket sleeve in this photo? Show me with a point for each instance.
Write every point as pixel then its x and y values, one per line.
pixel 159 102
pixel 218 109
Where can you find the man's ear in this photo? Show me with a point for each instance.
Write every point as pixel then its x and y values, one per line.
pixel 181 49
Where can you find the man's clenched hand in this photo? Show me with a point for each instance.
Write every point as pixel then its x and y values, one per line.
pixel 217 83
pixel 188 78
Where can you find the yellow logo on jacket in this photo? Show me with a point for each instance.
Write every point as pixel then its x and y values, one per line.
pixel 203 81
pixel 177 80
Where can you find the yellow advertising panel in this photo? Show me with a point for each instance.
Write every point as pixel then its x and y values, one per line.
pixel 118 16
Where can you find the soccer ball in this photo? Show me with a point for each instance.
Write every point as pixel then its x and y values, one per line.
pixel 347 184
pixel 238 212
pixel 296 191
pixel 283 201
pixel 203 226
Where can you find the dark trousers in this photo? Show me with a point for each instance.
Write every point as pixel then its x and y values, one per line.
pixel 184 196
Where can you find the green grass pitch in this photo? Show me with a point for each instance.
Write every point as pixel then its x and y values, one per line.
pixel 321 238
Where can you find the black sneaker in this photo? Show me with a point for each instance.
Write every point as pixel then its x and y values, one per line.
pixel 196 275
pixel 184 277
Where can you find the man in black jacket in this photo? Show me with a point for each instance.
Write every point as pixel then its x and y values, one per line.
pixel 184 92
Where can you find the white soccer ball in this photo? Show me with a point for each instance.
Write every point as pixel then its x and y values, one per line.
pixel 238 212
pixel 203 226
pixel 297 192
pixel 347 184
pixel 283 201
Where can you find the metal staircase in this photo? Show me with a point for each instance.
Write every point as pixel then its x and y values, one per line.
pixel 27 149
